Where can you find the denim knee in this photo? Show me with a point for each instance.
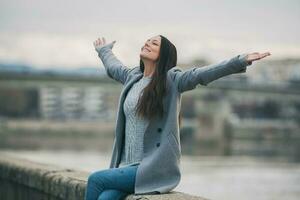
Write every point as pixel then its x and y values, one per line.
pixel 95 178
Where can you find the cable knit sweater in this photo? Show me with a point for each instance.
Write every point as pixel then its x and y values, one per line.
pixel 132 151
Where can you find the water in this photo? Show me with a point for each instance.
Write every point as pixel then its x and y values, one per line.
pixel 215 178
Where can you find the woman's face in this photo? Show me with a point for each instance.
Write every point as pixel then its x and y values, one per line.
pixel 151 49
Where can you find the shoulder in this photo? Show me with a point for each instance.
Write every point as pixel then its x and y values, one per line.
pixel 172 76
pixel 173 71
pixel 134 71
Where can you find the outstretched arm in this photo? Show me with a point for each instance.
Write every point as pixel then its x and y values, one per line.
pixel 189 79
pixel 114 68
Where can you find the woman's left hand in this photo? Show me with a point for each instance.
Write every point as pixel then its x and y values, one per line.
pixel 256 56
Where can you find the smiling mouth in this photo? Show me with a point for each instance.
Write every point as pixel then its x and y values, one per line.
pixel 144 49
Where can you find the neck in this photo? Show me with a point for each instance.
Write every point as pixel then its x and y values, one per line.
pixel 149 67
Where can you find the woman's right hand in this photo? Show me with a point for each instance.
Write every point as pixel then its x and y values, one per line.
pixel 98 44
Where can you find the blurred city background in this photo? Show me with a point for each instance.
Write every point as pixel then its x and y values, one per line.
pixel 240 135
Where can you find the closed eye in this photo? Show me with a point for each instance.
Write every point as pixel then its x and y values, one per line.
pixel 152 42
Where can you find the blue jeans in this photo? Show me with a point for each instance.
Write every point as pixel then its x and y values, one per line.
pixel 111 184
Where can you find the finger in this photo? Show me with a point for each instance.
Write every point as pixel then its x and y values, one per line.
pixel 100 42
pixel 265 54
pixel 254 57
pixel 104 42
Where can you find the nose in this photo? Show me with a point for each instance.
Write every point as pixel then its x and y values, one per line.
pixel 146 44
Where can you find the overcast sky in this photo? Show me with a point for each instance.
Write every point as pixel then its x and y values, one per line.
pixel 61 32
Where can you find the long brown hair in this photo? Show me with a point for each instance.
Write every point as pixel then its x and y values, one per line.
pixel 150 103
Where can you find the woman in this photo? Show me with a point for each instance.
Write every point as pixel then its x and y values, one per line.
pixel 146 149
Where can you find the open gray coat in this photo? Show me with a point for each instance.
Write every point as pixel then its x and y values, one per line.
pixel 159 171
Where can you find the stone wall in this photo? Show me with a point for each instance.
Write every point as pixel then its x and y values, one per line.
pixel 27 180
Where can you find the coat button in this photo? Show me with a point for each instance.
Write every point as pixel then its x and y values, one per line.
pixel 159 129
pixel 157 144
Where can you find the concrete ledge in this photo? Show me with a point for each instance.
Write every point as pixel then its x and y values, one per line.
pixel 24 179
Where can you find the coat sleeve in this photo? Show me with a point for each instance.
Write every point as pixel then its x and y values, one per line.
pixel 114 68
pixel 189 79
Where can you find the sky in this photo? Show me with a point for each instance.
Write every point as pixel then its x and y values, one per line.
pixel 60 33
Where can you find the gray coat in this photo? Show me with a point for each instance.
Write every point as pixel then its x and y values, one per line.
pixel 159 171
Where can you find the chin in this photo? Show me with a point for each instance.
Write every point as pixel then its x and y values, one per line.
pixel 142 55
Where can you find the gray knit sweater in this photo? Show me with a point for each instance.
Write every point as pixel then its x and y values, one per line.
pixel 132 151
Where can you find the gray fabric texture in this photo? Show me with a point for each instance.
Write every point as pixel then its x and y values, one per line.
pixel 132 152
pixel 159 170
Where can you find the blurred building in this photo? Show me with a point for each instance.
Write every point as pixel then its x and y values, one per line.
pixel 74 103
